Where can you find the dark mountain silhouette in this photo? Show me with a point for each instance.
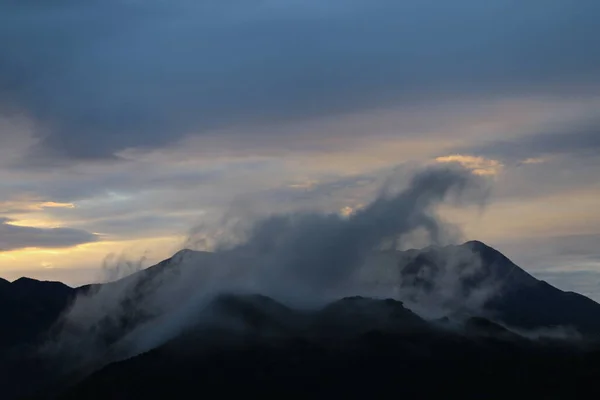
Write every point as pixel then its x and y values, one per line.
pixel 519 300
pixel 516 298
pixel 256 341
pixel 388 352
pixel 29 307
pixel 3 283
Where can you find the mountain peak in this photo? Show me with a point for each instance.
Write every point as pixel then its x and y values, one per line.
pixel 483 249
pixel 30 281
pixel 25 281
pixel 185 252
pixel 476 245
pixel 25 284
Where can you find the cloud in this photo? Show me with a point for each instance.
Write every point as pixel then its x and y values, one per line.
pixel 578 137
pixel 479 165
pixel 556 253
pixel 101 76
pixel 26 206
pixel 53 204
pixel 244 100
pixel 13 237
pixel 316 252
pixel 303 258
pixel 583 282
pixel 533 160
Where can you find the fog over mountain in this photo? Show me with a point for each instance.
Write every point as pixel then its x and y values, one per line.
pixel 303 259
pixel 295 275
pixel 323 198
pixel 151 333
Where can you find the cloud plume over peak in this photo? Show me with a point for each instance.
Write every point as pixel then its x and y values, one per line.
pixel 304 259
pixel 317 252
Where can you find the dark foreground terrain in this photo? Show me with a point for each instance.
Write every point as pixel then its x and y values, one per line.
pixel 354 347
pixel 373 364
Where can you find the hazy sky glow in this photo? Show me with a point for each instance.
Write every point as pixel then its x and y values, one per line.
pixel 124 124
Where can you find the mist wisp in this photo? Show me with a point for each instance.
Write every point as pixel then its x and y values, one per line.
pixel 303 259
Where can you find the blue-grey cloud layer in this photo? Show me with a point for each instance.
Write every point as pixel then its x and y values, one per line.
pixel 579 138
pixel 101 76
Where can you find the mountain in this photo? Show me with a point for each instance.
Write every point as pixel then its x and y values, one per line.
pixel 484 282
pixel 29 307
pixel 517 299
pixel 501 290
pixel 390 351
pixel 486 300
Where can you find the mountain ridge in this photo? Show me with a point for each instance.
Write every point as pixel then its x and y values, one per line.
pixel 516 303
pixel 342 352
pixel 513 307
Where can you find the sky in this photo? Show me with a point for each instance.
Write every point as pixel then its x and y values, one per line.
pixel 126 125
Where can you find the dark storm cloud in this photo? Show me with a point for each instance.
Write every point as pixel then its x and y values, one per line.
pixel 577 138
pixel 14 237
pixel 101 76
